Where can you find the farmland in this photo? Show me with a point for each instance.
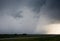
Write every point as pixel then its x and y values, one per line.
pixel 25 37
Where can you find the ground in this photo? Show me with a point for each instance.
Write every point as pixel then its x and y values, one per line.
pixel 33 38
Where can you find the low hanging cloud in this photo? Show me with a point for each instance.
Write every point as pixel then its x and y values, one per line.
pixel 18 16
pixel 28 16
pixel 49 18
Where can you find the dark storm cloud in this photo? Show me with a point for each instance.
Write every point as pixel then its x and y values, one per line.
pixel 53 7
pixel 27 12
pixel 49 14
pixel 21 9
pixel 17 15
pixel 53 4
pixel 10 7
pixel 36 4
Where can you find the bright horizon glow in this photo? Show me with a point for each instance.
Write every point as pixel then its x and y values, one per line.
pixel 53 29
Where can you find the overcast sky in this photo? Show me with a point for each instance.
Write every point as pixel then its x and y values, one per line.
pixel 29 16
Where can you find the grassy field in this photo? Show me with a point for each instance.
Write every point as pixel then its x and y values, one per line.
pixel 33 38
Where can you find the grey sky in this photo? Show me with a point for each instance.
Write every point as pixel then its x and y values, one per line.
pixel 22 16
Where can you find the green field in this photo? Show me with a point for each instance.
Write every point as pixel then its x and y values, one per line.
pixel 32 38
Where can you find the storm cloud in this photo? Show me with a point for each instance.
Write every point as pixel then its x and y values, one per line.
pixel 28 16
pixel 50 17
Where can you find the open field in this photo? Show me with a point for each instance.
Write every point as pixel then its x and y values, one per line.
pixel 32 38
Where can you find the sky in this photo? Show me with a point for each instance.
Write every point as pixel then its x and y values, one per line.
pixel 30 16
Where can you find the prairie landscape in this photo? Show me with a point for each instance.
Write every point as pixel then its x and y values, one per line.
pixel 29 37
